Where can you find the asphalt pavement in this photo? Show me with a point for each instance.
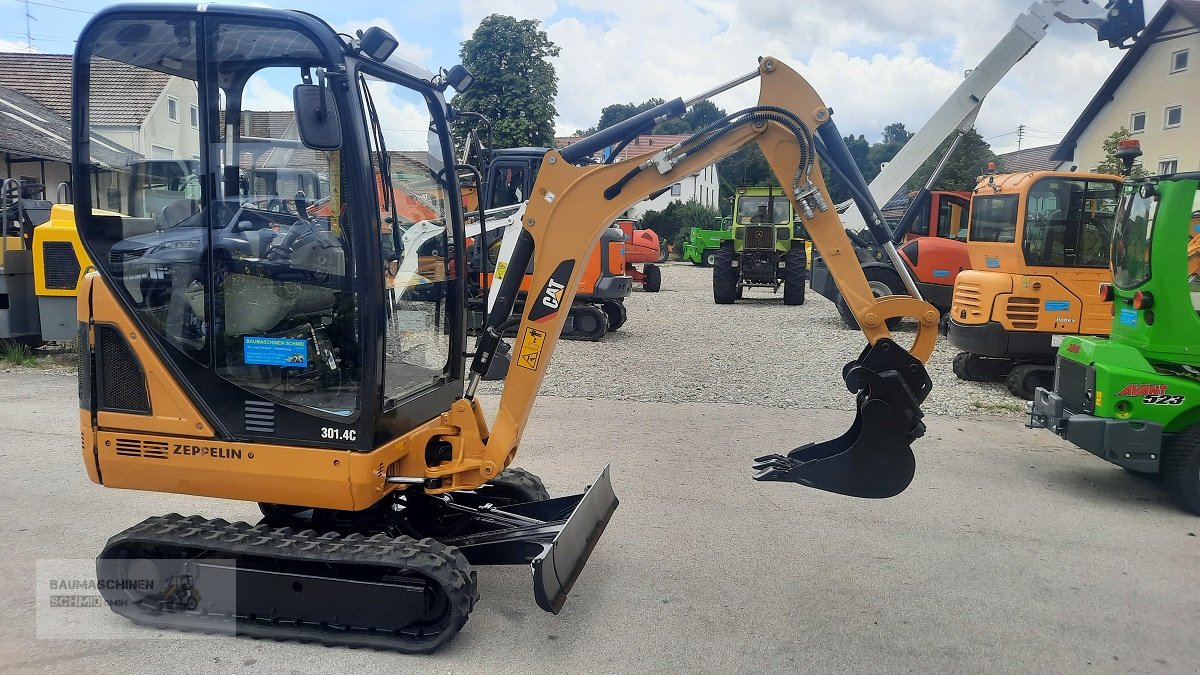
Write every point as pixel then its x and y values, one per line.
pixel 1011 552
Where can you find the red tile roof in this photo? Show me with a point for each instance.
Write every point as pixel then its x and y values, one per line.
pixel 46 78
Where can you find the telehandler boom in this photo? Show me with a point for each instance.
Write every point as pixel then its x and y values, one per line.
pixel 252 354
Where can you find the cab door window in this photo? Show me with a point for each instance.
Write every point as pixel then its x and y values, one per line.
pixel 507 185
pixel 1069 222
pixel 413 221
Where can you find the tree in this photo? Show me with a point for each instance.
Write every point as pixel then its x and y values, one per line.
pixel 702 114
pixel 675 222
pixel 894 138
pixel 515 84
pixel 896 133
pixel 745 168
pixel 1113 164
pixel 962 170
pixel 859 149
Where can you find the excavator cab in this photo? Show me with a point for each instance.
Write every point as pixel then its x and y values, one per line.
pixel 1039 246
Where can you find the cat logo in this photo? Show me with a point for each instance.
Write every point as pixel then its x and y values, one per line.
pixel 551 297
pixel 553 294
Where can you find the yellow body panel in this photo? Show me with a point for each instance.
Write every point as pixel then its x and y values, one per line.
pixel 1001 287
pixel 60 227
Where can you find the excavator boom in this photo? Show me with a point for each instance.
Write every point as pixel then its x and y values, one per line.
pixel 874 458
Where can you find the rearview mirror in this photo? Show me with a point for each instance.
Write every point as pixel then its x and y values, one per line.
pixel 317 117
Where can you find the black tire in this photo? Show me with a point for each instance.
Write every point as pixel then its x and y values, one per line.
pixel 616 312
pixel 591 323
pixel 795 263
pixel 653 283
pixel 709 258
pixel 517 485
pixel 1023 380
pixel 725 276
pixel 1181 468
pixel 883 281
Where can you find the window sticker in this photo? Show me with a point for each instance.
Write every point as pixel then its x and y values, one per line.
pixel 268 351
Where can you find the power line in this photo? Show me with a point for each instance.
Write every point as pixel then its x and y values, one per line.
pixel 65 9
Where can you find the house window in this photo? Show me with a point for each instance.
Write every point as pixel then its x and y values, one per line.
pixel 1168 166
pixel 195 117
pixel 676 190
pixel 161 152
pixel 1179 61
pixel 172 108
pixel 1173 117
pixel 1137 122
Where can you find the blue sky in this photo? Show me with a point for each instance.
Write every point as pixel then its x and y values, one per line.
pixel 873 62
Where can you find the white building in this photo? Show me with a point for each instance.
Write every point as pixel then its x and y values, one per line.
pixel 701 187
pixel 1154 92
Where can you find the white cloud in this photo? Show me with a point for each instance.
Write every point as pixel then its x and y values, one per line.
pixel 873 62
pixel 15 46
pixel 260 94
pixel 411 51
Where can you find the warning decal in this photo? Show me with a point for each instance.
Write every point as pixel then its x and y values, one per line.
pixel 531 348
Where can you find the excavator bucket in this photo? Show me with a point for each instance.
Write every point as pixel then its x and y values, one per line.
pixel 874 458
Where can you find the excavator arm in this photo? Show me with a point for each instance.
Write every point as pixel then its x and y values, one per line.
pixel 569 207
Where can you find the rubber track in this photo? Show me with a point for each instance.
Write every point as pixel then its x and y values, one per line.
pixel 444 564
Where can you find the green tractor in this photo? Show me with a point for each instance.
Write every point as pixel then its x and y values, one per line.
pixel 1134 398
pixel 766 248
pixel 701 245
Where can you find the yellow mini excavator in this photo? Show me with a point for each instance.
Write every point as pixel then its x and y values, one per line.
pixel 250 350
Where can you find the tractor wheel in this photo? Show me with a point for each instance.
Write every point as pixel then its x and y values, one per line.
pixel 709 258
pixel 518 485
pixel 616 312
pixel 653 283
pixel 725 276
pixel 883 282
pixel 1181 468
pixel 795 264
pixel 1023 380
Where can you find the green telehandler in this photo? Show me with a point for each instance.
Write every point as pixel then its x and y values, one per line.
pixel 1134 398
pixel 702 244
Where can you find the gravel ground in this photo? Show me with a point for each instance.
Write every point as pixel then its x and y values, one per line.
pixel 680 346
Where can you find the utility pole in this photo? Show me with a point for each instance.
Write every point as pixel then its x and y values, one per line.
pixel 1020 137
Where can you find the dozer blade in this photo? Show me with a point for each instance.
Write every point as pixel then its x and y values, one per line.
pixel 557 568
pixel 874 458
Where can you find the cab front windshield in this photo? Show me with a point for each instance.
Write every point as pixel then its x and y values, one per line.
pixel 257 280
pixel 755 209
